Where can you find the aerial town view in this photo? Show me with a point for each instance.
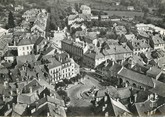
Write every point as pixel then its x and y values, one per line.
pixel 66 58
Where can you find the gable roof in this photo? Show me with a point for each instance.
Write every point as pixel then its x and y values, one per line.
pixel 119 108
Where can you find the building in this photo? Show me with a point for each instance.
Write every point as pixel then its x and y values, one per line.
pixel 130 8
pixel 75 48
pixel 134 79
pixel 85 9
pixel 96 55
pixel 32 13
pixel 139 46
pixel 18 8
pixel 108 68
pixel 39 45
pixel 120 30
pixel 25 46
pixel 61 66
pixel 107 102
pixel 157 42
pixel 4 40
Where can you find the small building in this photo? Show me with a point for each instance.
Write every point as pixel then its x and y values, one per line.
pixel 130 8
pixel 157 42
pixel 85 9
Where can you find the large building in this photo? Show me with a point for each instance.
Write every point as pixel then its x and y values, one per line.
pixel 95 56
pixel 61 66
pixel 75 48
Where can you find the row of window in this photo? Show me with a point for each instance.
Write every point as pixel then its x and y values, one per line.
pixel 27 53
pixel 27 48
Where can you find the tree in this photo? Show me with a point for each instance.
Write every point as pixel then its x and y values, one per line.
pixel 76 6
pixel 11 23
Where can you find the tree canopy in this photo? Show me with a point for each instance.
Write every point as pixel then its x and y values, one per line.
pixel 11 23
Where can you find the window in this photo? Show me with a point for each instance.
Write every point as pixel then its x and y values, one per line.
pixel 23 48
pixel 31 47
pixel 23 53
pixel 27 47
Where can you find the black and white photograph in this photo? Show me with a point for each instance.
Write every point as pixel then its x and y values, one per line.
pixel 82 58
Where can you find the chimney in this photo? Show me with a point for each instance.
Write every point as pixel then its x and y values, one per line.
pixel 13 105
pixel 6 84
pixel 54 96
pixel 8 106
pixel 105 98
pixel 36 103
pixel 31 89
pixel 44 95
pixel 106 114
pixel 3 98
pixel 135 98
pixel 106 63
pixel 106 105
pixel 103 108
pixel 48 114
pixel 11 92
pixel 17 90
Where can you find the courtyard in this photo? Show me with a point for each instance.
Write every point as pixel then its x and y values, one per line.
pixel 78 103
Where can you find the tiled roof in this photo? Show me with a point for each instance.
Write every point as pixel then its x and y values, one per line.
pixel 158 89
pixel 136 77
pixel 72 17
pixel 27 99
pixel 25 42
pixel 54 106
pixel 153 72
pixel 124 93
pixel 39 40
pixel 143 107
pixel 20 108
pixel 157 40
pixel 119 108
pixel 141 43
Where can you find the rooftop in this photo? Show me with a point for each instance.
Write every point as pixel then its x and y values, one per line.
pixel 136 77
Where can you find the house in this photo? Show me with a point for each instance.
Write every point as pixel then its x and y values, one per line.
pixel 76 48
pixel 107 102
pixel 157 42
pixel 61 66
pixel 134 79
pixel 120 30
pixel 146 108
pixel 96 55
pixel 25 47
pixel 85 9
pixel 130 8
pixel 37 97
pixel 39 45
pixel 19 8
pixel 108 68
pixel 130 37
pixel 139 46
pixel 48 106
pixel 78 18
pixel 30 13
pixel 10 56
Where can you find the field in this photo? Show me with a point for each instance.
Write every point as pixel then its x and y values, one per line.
pixel 124 13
